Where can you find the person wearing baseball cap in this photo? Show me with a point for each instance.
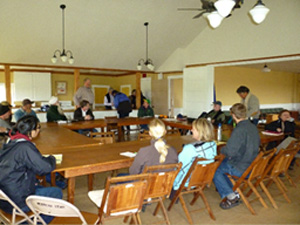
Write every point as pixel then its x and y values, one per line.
pixel 216 115
pixel 26 109
pixel 145 111
pixel 5 112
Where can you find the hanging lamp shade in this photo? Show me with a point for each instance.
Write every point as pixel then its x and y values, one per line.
pixel 259 12
pixel 214 19
pixel 224 7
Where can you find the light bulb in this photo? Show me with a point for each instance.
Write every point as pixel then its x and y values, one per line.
pixel 214 19
pixel 139 66
pixel 54 59
pixel 224 7
pixel 71 60
pixel 259 12
pixel 64 58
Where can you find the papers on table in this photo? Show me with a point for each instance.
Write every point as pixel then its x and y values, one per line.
pixel 170 119
pixel 272 133
pixel 62 122
pixel 128 154
pixel 58 158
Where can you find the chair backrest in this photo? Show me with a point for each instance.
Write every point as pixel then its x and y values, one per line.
pixel 260 166
pixel 124 194
pixel 144 136
pixel 103 137
pixel 16 212
pixel 161 179
pixel 52 207
pixel 173 132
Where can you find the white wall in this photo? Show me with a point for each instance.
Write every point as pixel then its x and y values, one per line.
pixel 197 90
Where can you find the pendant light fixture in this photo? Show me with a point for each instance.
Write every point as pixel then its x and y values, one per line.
pixel 65 55
pixel 266 69
pixel 214 19
pixel 147 62
pixel 224 7
pixel 259 12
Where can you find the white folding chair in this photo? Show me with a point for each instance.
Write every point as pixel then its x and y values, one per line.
pixel 17 216
pixel 55 207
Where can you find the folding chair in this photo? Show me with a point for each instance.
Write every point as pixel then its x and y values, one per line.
pixel 279 165
pixel 160 185
pixel 63 211
pixel 103 137
pixel 256 174
pixel 17 216
pixel 122 197
pixel 199 176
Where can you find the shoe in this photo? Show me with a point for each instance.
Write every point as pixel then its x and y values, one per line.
pixel 228 204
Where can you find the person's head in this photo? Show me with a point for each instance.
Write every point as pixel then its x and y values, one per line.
pixel 284 115
pixel 27 104
pixel 203 130
pixel 110 90
pixel 85 105
pixel 238 112
pixel 87 82
pixel 217 105
pixel 114 92
pixel 5 112
pixel 133 92
pixel 146 103
pixel 6 103
pixel 27 125
pixel 53 101
pixel 157 130
pixel 243 91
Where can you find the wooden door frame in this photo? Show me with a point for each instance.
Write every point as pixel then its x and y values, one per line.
pixel 170 78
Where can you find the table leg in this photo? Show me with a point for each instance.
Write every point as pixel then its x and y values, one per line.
pixel 120 133
pixel 90 182
pixel 71 189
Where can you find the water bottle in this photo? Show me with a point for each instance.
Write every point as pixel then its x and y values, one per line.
pixel 219 132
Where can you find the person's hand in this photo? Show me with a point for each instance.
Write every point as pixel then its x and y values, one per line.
pixel 279 130
pixel 87 117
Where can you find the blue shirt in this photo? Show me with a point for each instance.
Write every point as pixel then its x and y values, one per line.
pixel 207 150
pixel 20 113
pixel 120 97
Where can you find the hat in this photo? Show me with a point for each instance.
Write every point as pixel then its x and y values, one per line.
pixel 6 103
pixel 53 100
pixel 217 103
pixel 26 101
pixel 147 100
pixel 4 109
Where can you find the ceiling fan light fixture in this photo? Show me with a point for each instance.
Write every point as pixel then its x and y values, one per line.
pixel 259 12
pixel 224 7
pixel 214 19
pixel 266 69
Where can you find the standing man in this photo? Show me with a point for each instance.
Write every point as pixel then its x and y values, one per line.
pixel 251 102
pixel 109 99
pixel 122 104
pixel 84 93
pixel 25 110
pixel 240 151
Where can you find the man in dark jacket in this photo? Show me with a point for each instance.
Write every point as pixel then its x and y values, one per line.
pixel 145 111
pixel 240 150
pixel 216 115
pixel 84 112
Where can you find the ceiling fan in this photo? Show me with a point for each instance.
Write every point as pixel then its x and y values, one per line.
pixel 208 7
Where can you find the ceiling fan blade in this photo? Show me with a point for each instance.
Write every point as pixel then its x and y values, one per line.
pixel 189 9
pixel 206 4
pixel 199 15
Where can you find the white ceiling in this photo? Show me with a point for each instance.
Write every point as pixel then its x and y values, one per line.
pixel 102 34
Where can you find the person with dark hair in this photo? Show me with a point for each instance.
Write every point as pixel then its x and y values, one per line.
pixel 5 113
pixel 84 112
pixel 84 92
pixel 216 115
pixel 251 102
pixel 25 109
pixel 9 119
pixel 145 111
pixel 122 104
pixel 109 99
pixel 132 99
pixel 20 162
pixel 240 150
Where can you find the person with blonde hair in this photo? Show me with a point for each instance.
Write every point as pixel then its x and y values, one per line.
pixel 203 147
pixel 158 153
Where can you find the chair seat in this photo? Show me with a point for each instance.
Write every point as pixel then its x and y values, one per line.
pixel 89 217
pixel 96 197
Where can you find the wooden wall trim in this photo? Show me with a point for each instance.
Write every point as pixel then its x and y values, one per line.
pixel 7 83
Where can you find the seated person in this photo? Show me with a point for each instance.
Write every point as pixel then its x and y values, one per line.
pixel 5 113
pixel 216 115
pixel 109 99
pixel 25 110
pixel 9 119
pixel 55 112
pixel 83 112
pixel 158 153
pixel 20 162
pixel 145 111
pixel 241 149
pixel 203 147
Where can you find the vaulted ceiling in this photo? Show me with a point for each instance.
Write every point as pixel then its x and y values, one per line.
pixel 100 33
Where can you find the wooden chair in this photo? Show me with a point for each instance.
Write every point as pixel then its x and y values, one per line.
pixel 200 176
pixel 279 165
pixel 256 175
pixel 111 123
pixel 17 216
pixel 122 197
pixel 103 137
pixel 160 185
pixel 144 136
pixel 173 132
pixel 63 211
